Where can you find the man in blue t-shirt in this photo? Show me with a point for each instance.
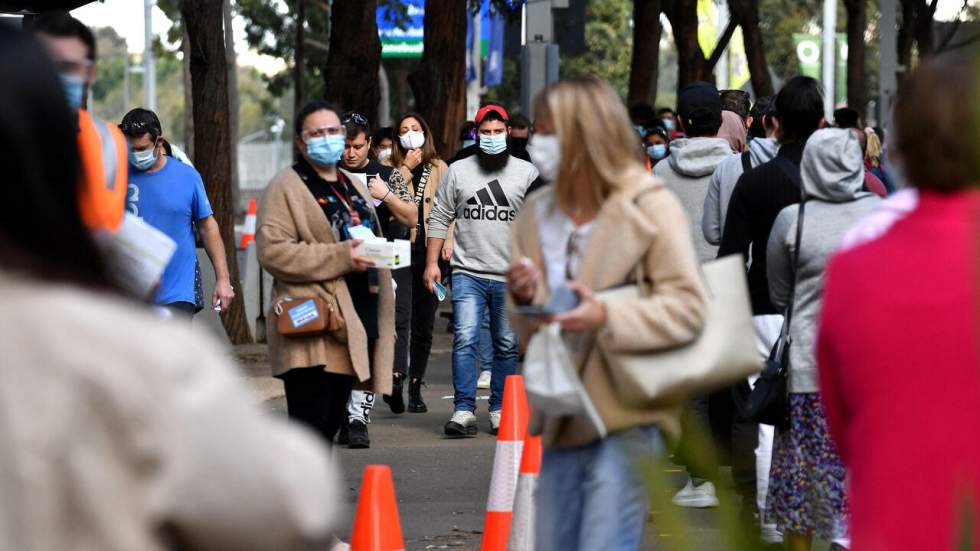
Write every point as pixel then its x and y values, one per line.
pixel 170 196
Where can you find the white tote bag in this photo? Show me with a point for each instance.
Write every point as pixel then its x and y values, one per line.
pixel 551 382
pixel 722 355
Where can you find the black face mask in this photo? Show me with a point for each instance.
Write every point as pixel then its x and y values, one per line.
pixel 492 163
pixel 519 143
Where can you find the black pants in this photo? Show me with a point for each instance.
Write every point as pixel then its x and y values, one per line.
pixel 403 318
pixel 317 399
pixel 424 306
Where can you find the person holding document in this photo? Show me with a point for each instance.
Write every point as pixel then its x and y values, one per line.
pixel 396 214
pixel 590 492
pixel 307 236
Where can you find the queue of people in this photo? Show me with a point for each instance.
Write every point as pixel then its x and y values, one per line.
pixel 525 213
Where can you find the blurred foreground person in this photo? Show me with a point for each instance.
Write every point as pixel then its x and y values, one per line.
pixel 807 484
pixel 309 220
pixel 118 431
pixel 592 494
pixel 899 357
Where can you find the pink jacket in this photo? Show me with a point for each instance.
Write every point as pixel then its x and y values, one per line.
pixel 898 355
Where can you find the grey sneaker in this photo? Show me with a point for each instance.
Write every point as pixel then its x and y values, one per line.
pixel 494 421
pixel 696 497
pixel 461 424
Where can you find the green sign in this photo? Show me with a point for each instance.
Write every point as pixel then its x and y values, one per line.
pixel 809 52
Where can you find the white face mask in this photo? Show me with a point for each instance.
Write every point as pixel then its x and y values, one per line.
pixel 384 154
pixel 412 139
pixel 545 153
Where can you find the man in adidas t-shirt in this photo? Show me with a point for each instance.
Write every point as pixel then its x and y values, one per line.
pixel 482 195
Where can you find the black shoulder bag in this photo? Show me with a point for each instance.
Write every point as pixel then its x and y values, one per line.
pixel 768 401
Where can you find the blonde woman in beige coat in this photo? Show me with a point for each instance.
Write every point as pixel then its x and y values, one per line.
pixel 603 216
pixel 308 217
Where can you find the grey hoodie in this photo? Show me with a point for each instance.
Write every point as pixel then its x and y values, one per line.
pixel 691 163
pixel 722 183
pixel 833 178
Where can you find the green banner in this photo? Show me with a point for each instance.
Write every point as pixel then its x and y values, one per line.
pixel 809 53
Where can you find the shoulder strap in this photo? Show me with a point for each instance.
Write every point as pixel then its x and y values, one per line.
pixel 423 182
pixel 746 162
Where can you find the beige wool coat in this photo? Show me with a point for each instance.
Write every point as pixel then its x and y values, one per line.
pixel 298 247
pixel 120 431
pixel 643 222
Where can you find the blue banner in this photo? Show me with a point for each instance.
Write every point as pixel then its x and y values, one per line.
pixel 493 74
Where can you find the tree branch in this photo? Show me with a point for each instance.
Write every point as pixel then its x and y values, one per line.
pixel 723 41
pixel 964 42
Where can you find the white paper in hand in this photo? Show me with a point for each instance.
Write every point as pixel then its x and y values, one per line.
pixel 137 255
pixel 362 232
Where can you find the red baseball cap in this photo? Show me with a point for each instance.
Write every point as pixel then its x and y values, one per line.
pixel 482 113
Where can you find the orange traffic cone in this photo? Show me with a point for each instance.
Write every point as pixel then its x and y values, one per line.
pixel 248 231
pixel 522 527
pixel 506 463
pixel 376 524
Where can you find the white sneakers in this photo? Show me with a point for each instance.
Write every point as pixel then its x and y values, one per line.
pixel 494 421
pixel 484 381
pixel 697 497
pixel 462 423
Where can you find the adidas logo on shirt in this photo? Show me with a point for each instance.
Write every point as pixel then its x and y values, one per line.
pixel 490 203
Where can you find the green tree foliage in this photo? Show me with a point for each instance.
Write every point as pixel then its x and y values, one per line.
pixel 609 42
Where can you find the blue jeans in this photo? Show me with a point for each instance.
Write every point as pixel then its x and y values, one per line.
pixel 595 497
pixel 472 296
pixel 486 343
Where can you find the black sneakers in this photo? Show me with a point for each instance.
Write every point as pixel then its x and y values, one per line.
pixel 359 439
pixel 415 403
pixel 396 401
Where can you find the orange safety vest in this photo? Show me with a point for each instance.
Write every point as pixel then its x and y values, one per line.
pixel 103 182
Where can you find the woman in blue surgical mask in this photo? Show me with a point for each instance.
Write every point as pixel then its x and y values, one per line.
pixel 656 145
pixel 309 234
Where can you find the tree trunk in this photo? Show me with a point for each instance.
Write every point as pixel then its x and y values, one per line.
pixel 857 22
pixel 683 16
pixel 755 52
pixel 212 146
pixel 185 48
pixel 646 52
pixel 233 105
pixel 906 36
pixel 351 76
pixel 439 83
pixel 924 14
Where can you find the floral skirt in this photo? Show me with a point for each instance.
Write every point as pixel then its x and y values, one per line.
pixel 808 480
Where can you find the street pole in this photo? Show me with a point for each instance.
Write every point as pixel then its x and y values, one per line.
pixel 149 75
pixel 888 58
pixel 539 55
pixel 829 48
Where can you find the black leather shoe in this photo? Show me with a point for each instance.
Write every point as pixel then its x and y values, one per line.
pixel 343 435
pixel 415 403
pixel 359 439
pixel 396 401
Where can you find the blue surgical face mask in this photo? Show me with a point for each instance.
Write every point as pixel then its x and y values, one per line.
pixel 143 160
pixel 493 145
pixel 639 129
pixel 326 151
pixel 669 124
pixel 657 151
pixel 74 89
pixel 467 143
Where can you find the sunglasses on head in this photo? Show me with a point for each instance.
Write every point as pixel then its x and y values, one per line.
pixel 355 118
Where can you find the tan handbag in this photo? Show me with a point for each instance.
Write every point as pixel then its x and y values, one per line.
pixel 723 354
pixel 305 317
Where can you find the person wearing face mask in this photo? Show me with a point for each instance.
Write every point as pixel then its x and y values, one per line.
pixel 419 164
pixel 382 142
pixel 656 145
pixel 669 118
pixel 520 134
pixel 482 195
pixel 396 213
pixel 102 181
pixel 169 195
pixel 516 148
pixel 308 220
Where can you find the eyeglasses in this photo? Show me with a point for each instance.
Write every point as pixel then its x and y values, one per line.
pixel 355 118
pixel 321 132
